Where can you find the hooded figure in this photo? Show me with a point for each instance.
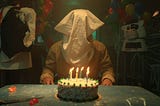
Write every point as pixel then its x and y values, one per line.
pixel 77 49
pixel 77 26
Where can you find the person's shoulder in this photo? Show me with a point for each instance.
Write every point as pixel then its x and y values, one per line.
pixel 55 48
pixel 56 44
pixel 99 45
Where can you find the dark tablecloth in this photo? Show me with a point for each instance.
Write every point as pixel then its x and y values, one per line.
pixel 108 96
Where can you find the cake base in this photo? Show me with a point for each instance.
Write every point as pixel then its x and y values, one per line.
pixel 77 90
pixel 99 97
pixel 78 100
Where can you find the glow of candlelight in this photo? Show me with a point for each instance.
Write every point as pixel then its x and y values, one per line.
pixel 87 71
pixel 77 72
pixel 81 72
pixel 70 72
pixel 82 68
pixel 87 74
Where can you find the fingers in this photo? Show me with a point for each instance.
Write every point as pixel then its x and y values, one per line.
pixel 106 82
pixel 48 81
pixel 52 82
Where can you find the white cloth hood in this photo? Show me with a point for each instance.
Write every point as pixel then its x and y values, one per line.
pixel 76 27
pixel 70 22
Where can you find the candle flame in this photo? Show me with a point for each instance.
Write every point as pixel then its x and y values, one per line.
pixel 71 69
pixel 82 68
pixel 88 70
pixel 77 69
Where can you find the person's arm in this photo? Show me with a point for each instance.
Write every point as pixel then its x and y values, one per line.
pixel 47 76
pixel 106 69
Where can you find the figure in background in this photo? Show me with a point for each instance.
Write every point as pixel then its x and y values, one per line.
pixel 17 35
pixel 78 49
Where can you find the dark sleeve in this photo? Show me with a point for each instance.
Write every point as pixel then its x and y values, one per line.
pixel 106 65
pixel 50 62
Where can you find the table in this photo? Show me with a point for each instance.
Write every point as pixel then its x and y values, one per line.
pixel 108 96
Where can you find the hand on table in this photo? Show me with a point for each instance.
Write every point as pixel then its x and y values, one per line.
pixel 48 81
pixel 106 82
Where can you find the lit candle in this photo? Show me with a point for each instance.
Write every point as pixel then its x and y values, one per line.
pixel 87 74
pixel 70 72
pixel 77 72
pixel 80 75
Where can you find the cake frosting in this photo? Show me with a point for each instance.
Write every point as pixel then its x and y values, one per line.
pixel 78 90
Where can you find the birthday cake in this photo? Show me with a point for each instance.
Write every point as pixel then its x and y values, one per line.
pixel 78 89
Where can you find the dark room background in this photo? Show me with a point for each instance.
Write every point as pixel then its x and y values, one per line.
pixel 140 68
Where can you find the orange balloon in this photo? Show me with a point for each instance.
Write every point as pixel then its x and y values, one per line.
pixel 130 9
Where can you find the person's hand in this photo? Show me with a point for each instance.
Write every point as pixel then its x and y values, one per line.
pixel 106 82
pixel 48 81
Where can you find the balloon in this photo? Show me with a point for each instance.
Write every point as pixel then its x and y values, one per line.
pixel 110 10
pixel 130 9
pixel 46 10
pixel 47 7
